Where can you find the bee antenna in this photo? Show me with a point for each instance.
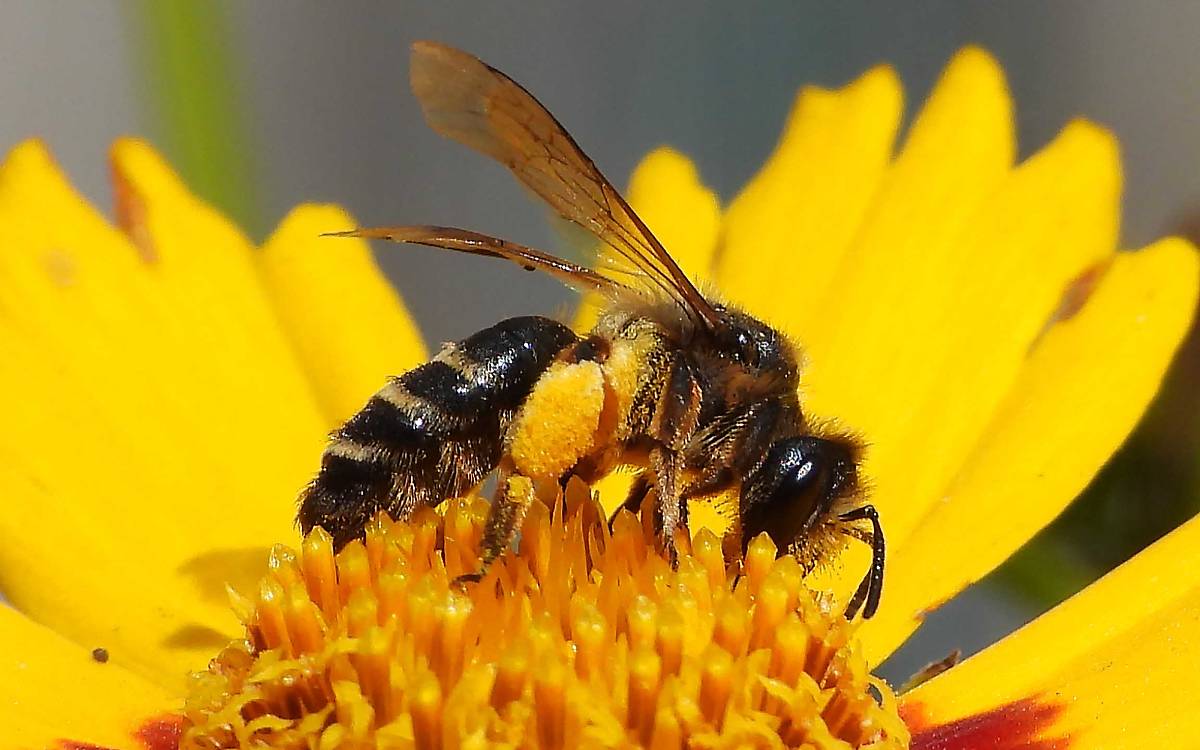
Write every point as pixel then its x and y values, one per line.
pixel 870 589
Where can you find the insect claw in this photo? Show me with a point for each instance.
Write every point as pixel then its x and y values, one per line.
pixel 461 581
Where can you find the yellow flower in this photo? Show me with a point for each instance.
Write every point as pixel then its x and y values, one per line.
pixel 167 388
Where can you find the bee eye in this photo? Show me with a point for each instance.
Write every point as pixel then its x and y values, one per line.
pixel 799 478
pixel 795 485
pixel 746 349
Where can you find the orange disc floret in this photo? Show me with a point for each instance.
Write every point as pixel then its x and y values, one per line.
pixel 584 637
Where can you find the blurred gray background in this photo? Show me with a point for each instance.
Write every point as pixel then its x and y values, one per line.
pixel 269 103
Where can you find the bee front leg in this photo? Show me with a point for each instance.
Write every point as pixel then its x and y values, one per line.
pixel 871 587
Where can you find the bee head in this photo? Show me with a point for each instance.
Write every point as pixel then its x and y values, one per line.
pixel 796 486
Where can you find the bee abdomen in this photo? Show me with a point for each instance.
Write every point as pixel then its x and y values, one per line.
pixel 432 433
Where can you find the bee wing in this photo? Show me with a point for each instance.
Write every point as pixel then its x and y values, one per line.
pixel 466 100
pixel 466 241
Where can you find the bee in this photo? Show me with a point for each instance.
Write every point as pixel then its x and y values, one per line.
pixel 694 395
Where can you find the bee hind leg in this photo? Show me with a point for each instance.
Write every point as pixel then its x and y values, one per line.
pixel 554 428
pixel 514 495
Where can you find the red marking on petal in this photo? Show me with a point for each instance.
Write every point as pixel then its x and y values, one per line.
pixel 1019 724
pixel 161 733
pixel 1077 293
pixel 130 214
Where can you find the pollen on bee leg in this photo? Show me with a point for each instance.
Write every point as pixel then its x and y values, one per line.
pixel 589 639
pixel 557 423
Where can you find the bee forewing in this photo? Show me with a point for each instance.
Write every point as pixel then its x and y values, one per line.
pixel 466 100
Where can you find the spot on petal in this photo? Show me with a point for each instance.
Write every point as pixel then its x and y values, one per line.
pixel 161 732
pixel 1019 724
pixel 129 210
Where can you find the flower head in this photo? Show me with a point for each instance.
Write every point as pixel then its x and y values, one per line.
pixel 167 389
pixel 585 638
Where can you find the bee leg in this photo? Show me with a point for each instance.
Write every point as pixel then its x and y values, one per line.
pixel 711 481
pixel 676 418
pixel 554 428
pixel 633 501
pixel 514 495
pixel 671 509
pixel 871 587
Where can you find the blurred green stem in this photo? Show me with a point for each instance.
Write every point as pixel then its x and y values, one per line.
pixel 1045 572
pixel 191 86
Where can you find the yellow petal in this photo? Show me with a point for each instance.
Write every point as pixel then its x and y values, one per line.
pixel 1083 389
pixel 1109 668
pixel 146 456
pixel 683 213
pixel 347 324
pixel 56 694
pixel 207 266
pixel 793 221
pixel 869 358
pixel 959 149
pixel 1052 219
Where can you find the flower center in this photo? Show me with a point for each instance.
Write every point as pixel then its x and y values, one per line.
pixel 586 637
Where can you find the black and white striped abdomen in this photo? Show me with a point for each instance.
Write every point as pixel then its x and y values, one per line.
pixel 432 433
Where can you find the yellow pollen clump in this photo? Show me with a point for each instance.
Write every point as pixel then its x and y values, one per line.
pixel 557 424
pixel 585 637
